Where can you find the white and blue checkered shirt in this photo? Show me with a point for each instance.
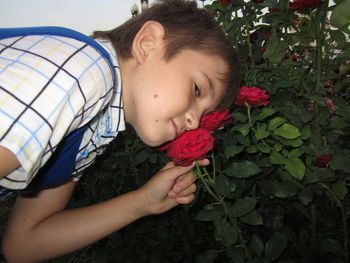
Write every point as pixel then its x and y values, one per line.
pixel 49 87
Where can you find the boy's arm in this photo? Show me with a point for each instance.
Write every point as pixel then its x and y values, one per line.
pixel 39 228
pixel 8 162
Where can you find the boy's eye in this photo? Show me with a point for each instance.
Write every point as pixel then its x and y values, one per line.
pixel 196 90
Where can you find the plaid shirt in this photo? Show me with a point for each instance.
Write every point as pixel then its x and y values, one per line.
pixel 49 87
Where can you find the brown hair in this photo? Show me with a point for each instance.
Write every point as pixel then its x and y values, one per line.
pixel 186 27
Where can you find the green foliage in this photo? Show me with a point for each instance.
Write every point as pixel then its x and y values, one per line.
pixel 284 205
pixel 265 198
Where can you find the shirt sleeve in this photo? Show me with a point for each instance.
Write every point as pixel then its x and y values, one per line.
pixel 49 86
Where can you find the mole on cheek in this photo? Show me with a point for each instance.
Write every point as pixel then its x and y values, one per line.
pixel 156 120
pixel 155 96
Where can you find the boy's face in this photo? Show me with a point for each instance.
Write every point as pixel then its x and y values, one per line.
pixel 163 99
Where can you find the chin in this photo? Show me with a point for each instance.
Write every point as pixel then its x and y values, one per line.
pixel 152 142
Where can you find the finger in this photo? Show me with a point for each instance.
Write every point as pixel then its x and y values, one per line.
pixel 204 162
pixel 189 190
pixel 167 166
pixel 184 182
pixel 183 200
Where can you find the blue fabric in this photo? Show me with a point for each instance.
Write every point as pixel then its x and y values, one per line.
pixel 56 31
pixel 58 169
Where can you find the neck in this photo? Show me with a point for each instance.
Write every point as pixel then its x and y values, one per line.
pixel 127 67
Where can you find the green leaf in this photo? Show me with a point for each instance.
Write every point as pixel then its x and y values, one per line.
pixel 340 16
pixel 306 132
pixel 275 246
pixel 240 117
pixel 295 153
pixel 277 158
pixel 331 245
pixel 341 162
pixel 294 142
pixel 305 196
pixel 284 83
pixel 263 148
pixel 340 190
pixel 207 257
pixel 232 150
pixel 287 131
pixel 243 129
pixel 276 49
pixel 295 167
pixel 266 187
pixel 277 147
pixel 284 189
pixel 227 233
pixel 222 185
pixel 252 218
pixel 338 36
pixel 338 123
pixel 236 255
pixel 256 245
pixel 141 157
pixel 243 206
pixel 275 122
pixel 252 149
pixel 210 213
pixel 244 140
pixel 242 169
pixel 261 132
pixel 266 112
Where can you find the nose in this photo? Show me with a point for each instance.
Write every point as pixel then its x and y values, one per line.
pixel 192 121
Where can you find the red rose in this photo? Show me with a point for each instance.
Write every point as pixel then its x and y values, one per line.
pixel 225 2
pixel 323 160
pixel 215 120
pixel 304 4
pixel 191 145
pixel 331 105
pixel 254 37
pixel 252 96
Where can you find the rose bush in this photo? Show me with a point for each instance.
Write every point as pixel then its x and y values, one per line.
pixel 280 193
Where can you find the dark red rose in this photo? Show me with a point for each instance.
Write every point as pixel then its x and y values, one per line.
pixel 330 105
pixel 304 4
pixel 254 37
pixel 329 83
pixel 190 146
pixel 252 96
pixel 215 120
pixel 323 160
pixel 225 2
pixel 272 10
pixel 258 1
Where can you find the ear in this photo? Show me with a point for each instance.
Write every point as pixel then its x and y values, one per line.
pixel 148 40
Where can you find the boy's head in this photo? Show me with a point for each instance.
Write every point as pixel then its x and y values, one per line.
pixel 185 27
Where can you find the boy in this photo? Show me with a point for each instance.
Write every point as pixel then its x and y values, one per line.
pixel 58 110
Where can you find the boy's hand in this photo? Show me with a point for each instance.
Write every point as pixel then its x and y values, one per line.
pixel 171 186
